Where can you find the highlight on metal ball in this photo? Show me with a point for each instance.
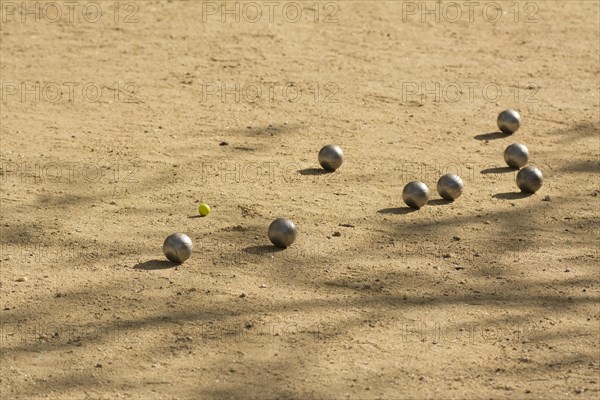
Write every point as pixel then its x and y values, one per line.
pixel 516 155
pixel 450 186
pixel 530 179
pixel 331 157
pixel 415 194
pixel 282 232
pixel 509 121
pixel 177 247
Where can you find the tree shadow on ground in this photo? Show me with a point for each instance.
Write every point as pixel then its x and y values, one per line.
pixel 223 314
pixel 512 297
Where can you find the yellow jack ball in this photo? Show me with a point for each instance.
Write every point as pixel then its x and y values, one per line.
pixel 203 209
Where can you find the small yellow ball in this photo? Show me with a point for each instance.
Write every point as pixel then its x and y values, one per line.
pixel 203 209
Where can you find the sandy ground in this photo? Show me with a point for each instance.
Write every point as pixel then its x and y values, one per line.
pixel 111 136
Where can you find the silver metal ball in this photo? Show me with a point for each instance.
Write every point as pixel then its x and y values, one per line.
pixel 282 232
pixel 331 157
pixel 178 247
pixel 509 121
pixel 415 194
pixel 516 155
pixel 450 186
pixel 530 179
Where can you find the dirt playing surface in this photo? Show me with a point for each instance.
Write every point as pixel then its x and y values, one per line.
pixel 113 132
